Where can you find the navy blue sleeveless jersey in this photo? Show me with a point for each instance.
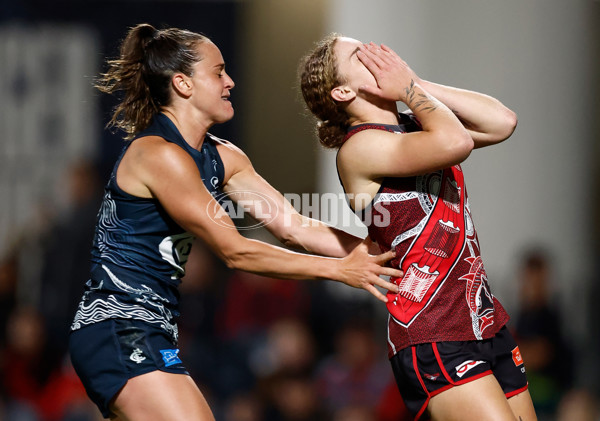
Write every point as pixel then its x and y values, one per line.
pixel 139 252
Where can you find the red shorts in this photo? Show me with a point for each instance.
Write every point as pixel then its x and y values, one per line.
pixel 425 370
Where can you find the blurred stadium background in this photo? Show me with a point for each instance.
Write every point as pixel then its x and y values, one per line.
pixel 538 191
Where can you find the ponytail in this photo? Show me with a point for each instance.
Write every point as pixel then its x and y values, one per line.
pixel 318 76
pixel 331 135
pixel 147 60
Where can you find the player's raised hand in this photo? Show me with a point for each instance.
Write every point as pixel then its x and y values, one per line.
pixel 393 76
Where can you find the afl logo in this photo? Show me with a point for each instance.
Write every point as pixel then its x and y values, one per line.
pixel 242 210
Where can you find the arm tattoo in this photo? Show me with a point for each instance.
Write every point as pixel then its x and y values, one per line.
pixel 414 100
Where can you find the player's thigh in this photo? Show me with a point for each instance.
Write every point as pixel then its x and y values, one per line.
pixel 522 406
pixel 158 396
pixel 478 400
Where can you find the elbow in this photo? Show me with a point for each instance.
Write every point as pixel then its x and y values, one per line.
pixel 234 257
pixel 290 233
pixel 510 123
pixel 232 263
pixel 461 147
pixel 507 123
pixel 453 146
pixel 466 144
pixel 291 239
pixel 238 261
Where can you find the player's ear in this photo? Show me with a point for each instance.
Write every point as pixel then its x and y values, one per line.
pixel 182 84
pixel 342 93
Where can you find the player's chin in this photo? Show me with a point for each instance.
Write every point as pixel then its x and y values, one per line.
pixel 226 115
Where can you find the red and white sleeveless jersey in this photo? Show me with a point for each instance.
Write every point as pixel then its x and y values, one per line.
pixel 444 294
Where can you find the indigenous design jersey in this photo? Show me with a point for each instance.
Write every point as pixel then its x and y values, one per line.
pixel 444 294
pixel 139 253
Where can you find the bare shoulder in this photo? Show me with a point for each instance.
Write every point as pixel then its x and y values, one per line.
pixel 153 158
pixel 363 145
pixel 228 150
pixel 234 158
pixel 149 159
pixel 154 152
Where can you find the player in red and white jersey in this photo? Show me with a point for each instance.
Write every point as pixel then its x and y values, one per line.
pixel 444 295
pixel 451 354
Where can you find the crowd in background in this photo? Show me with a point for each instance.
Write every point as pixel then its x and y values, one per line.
pixel 259 348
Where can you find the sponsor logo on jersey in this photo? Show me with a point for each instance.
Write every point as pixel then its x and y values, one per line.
pixel 516 356
pixel 170 356
pixel 137 356
pixel 461 369
pixel 432 377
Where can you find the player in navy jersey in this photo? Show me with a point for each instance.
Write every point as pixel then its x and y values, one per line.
pixel 451 353
pixel 164 191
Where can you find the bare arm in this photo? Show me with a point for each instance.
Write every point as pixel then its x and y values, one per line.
pixel 282 219
pixel 171 176
pixel 486 119
pixel 375 154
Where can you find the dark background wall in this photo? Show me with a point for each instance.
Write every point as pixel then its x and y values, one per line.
pixel 109 21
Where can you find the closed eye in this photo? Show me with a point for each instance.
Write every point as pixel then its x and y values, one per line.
pixel 220 69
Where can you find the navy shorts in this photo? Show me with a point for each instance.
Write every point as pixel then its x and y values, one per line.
pixel 107 354
pixel 425 370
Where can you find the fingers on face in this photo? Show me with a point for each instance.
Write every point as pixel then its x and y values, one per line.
pixel 366 57
pixel 374 53
pixel 387 49
pixel 385 54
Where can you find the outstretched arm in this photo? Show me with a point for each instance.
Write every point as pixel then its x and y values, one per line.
pixel 171 176
pixel 486 119
pixel 282 219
